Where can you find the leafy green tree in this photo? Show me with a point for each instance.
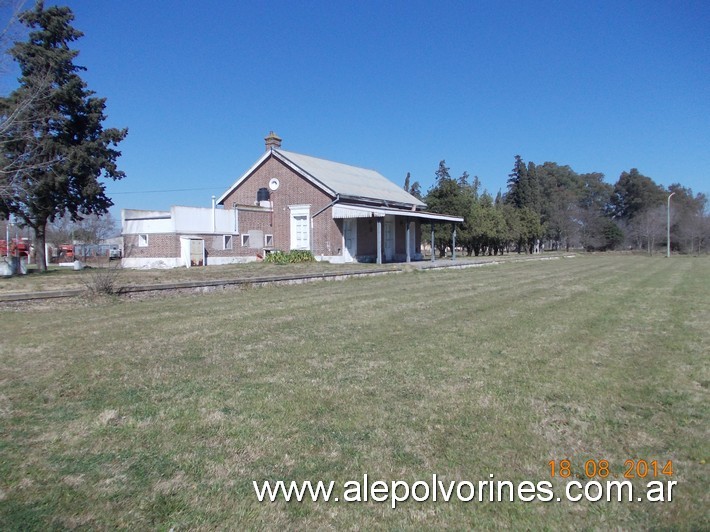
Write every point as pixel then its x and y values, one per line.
pixel 469 197
pixel 635 193
pixel 596 228
pixel 500 237
pixel 560 191
pixel 613 235
pixel 60 138
pixel 488 228
pixel 406 182
pixel 475 230
pixel 574 206
pixel 530 229
pixel 446 196
pixel 512 224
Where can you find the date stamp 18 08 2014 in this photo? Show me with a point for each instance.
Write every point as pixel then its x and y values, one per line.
pixel 601 469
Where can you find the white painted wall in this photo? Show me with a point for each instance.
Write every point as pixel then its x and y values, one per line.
pixel 199 220
pixel 135 221
pixel 178 262
pixel 179 220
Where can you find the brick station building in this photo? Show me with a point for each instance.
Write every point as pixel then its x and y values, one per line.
pixel 285 201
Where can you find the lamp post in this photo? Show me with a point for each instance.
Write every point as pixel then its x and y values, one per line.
pixel 668 226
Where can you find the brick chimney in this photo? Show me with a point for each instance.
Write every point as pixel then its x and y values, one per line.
pixel 272 141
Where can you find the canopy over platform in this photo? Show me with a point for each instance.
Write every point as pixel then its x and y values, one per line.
pixel 343 210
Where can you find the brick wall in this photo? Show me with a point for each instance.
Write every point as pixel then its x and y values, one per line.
pixel 167 245
pixel 367 237
pixel 326 235
pixel 159 246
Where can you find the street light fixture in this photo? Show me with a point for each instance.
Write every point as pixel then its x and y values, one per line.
pixel 668 227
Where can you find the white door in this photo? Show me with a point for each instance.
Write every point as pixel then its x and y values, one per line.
pixel 349 238
pixel 197 252
pixel 185 251
pixel 389 239
pixel 300 230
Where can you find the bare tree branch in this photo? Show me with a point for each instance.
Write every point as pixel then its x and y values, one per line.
pixel 10 29
pixel 18 120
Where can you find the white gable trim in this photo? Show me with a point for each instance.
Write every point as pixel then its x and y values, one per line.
pixel 244 176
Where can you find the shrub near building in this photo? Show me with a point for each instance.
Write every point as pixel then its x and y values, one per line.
pixel 292 257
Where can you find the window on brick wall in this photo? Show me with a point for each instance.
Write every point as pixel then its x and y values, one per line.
pixel 268 241
pixel 226 241
pixel 245 240
pixel 142 241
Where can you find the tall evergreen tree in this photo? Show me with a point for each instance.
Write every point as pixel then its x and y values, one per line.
pixel 517 180
pixel 416 190
pixel 442 173
pixel 60 138
pixel 463 180
pixel 446 196
pixel 533 192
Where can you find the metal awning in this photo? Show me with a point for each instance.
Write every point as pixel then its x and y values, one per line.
pixel 341 211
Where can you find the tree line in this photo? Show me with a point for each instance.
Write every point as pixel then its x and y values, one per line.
pixel 54 150
pixel 552 207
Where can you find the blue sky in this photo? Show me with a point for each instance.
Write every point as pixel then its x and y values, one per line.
pixel 398 86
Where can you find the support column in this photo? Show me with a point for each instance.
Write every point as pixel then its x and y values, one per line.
pixel 379 240
pixel 453 239
pixel 407 235
pixel 433 250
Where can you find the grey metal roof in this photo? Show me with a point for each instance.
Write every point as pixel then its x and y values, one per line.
pixel 350 181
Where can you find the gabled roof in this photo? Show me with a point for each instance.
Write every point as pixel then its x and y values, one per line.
pixel 338 179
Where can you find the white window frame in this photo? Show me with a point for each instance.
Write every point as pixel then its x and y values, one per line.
pixel 268 241
pixel 245 240
pixel 143 240
pixel 226 238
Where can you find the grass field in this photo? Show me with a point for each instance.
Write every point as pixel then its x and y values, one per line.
pixel 160 413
